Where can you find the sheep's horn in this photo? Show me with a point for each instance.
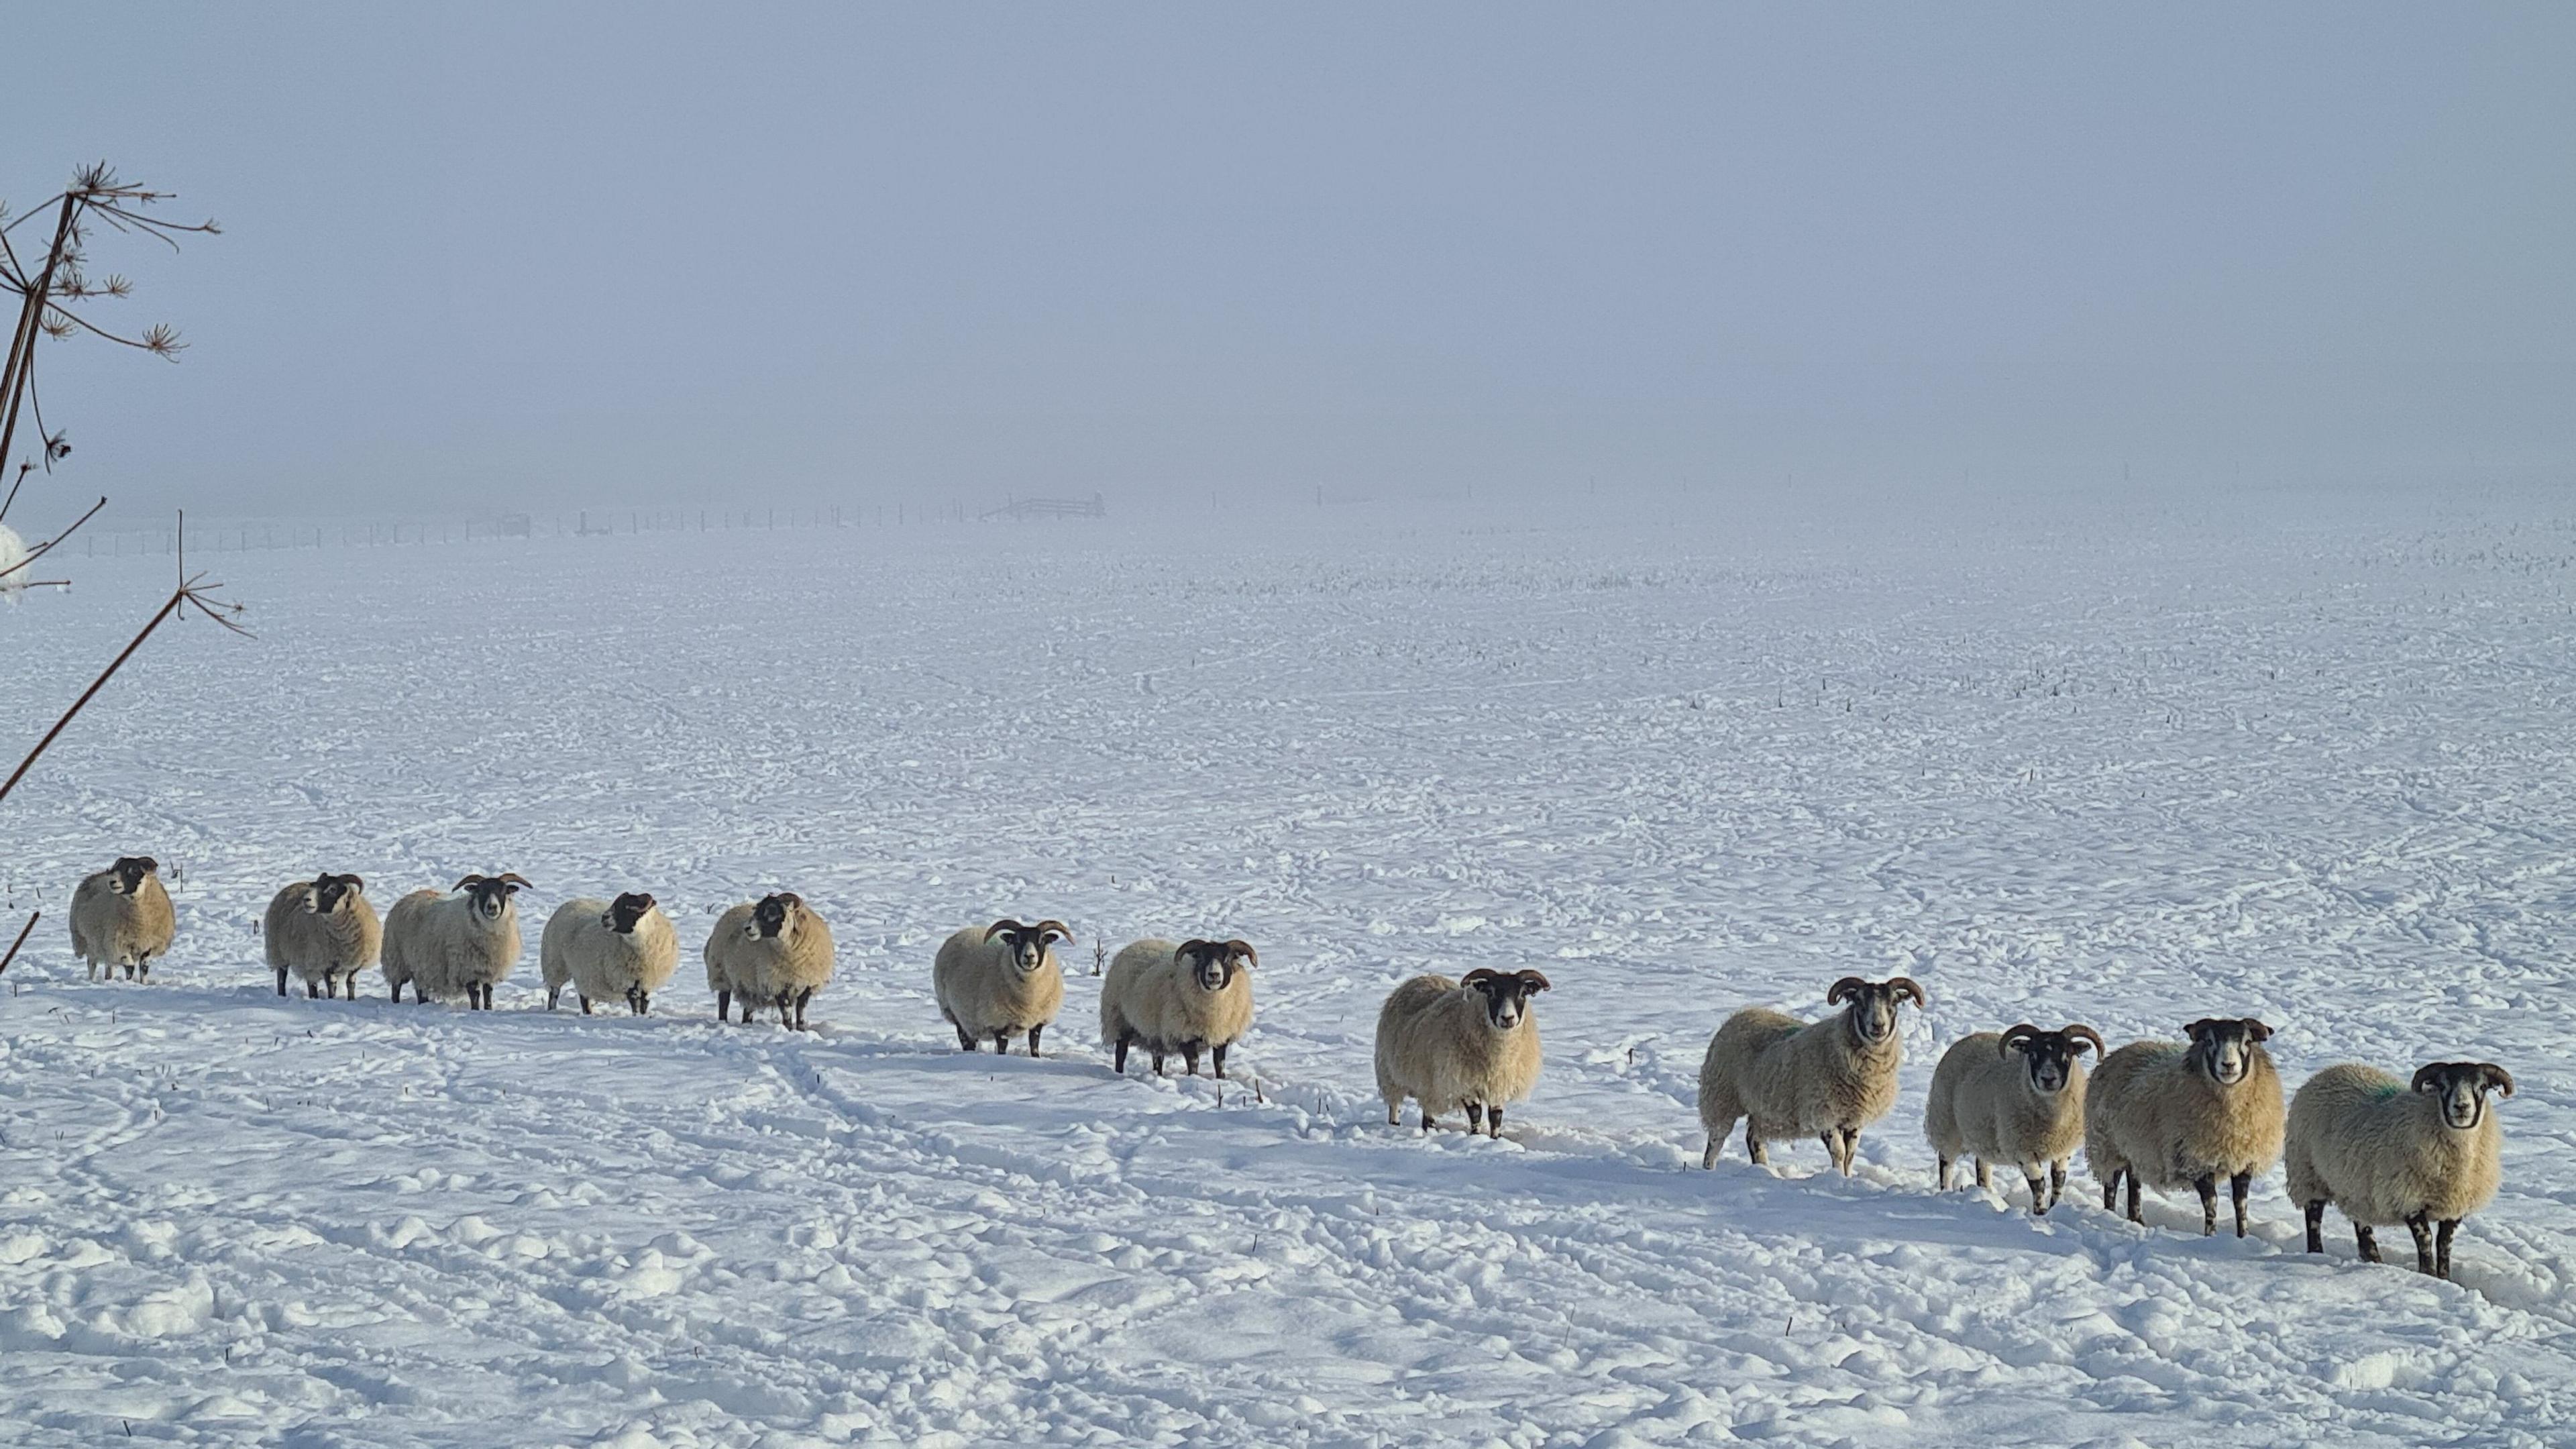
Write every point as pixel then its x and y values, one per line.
pixel 468 882
pixel 512 877
pixel 2425 1074
pixel 1481 973
pixel 2020 1032
pixel 998 927
pixel 791 898
pixel 1243 948
pixel 2502 1079
pixel 1059 927
pixel 1532 980
pixel 2078 1032
pixel 354 883
pixel 1843 990
pixel 1907 985
pixel 1192 949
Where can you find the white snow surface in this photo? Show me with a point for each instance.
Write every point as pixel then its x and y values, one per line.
pixel 2305 756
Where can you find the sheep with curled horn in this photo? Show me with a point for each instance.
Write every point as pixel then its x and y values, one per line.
pixel 121 918
pixel 1000 981
pixel 1785 1078
pixel 1469 1043
pixel 775 951
pixel 461 942
pixel 2175 1114
pixel 1189 998
pixel 2427 1154
pixel 325 931
pixel 2016 1098
pixel 621 950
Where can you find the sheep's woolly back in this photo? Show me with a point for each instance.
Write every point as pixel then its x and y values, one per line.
pixel 1436 1045
pixel 438 943
pixel 2150 1112
pixel 1794 1078
pixel 982 993
pixel 2381 1154
pixel 111 928
pixel 314 945
pixel 1982 1104
pixel 602 963
pixel 1151 997
pixel 765 968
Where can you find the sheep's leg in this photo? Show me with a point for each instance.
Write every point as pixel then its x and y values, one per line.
pixel 1219 1054
pixel 807 995
pixel 1753 1145
pixel 785 1018
pixel 2136 1214
pixel 2422 1227
pixel 635 1001
pixel 965 1039
pixel 1001 1043
pixel 1940 1174
pixel 1158 1060
pixel 2237 1187
pixel 1833 1148
pixel 1475 1118
pixel 1493 1121
pixel 1123 1040
pixel 554 995
pixel 2111 1192
pixel 643 1002
pixel 1034 1033
pixel 2056 1183
pixel 2442 1247
pixel 2038 1193
pixel 1985 1176
pixel 585 1004
pixel 281 981
pixel 1844 1143
pixel 2367 1242
pixel 2317 1226
pixel 1427 1123
pixel 331 986
pixel 1190 1056
pixel 2207 1185
pixel 1392 1104
pixel 746 1004
pixel 724 1004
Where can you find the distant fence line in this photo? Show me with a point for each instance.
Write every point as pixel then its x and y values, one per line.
pixel 257 537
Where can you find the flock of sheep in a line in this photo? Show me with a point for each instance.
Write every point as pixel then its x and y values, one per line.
pixel 2160 1114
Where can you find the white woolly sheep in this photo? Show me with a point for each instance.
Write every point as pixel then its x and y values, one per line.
pixel 1786 1078
pixel 1471 1042
pixel 325 931
pixel 608 951
pixel 999 981
pixel 2184 1114
pixel 2426 1155
pixel 776 951
pixel 121 917
pixel 2027 1113
pixel 1193 997
pixel 454 943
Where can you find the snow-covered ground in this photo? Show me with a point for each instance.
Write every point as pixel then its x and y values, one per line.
pixel 2311 757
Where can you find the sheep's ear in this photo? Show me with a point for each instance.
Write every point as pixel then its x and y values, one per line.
pixel 149 864
pixel 2497 1077
pixel 1843 990
pixel 2257 1030
pixel 2200 1028
pixel 2428 1078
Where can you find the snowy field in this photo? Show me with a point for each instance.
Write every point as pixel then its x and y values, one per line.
pixel 2308 757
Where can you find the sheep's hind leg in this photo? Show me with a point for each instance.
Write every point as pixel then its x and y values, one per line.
pixel 1475 1118
pixel 1940 1174
pixel 965 1039
pixel 1985 1176
pixel 1754 1146
pixel 2111 1192
pixel 2422 1227
pixel 802 997
pixel 2442 1247
pixel 724 1005
pixel 2317 1226
pixel 2367 1242
pixel 2056 1183
pixel 1493 1121
pixel 312 991
pixel 2136 1214
pixel 1190 1056
pixel 1121 1049
pixel 1002 1043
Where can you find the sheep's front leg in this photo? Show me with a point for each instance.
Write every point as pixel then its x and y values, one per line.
pixel 1034 1033
pixel 2442 1247
pixel 965 1039
pixel 2237 1187
pixel 2038 1193
pixel 2136 1214
pixel 1493 1121
pixel 1753 1144
pixel 1985 1176
pixel 2207 1184
pixel 2367 1243
pixel 724 1006
pixel 312 991
pixel 1002 1043
pixel 1123 1040
pixel 1475 1118
pixel 2422 1228
pixel 807 995
pixel 2111 1192
pixel 281 981
pixel 2317 1226
pixel 1190 1057
pixel 2056 1183
pixel 1218 1053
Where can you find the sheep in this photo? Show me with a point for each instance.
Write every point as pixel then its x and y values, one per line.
pixel 608 950
pixel 1471 1042
pixel 323 930
pixel 121 916
pixel 775 950
pixel 2425 1155
pixel 460 941
pixel 2030 1113
pixel 1787 1078
pixel 1185 998
pixel 2171 1114
pixel 999 981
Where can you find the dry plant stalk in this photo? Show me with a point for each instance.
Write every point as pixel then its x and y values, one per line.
pixel 24 932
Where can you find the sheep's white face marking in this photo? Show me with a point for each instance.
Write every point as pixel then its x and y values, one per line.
pixel 2224 1047
pixel 1212 964
pixel 1026 946
pixel 2461 1088
pixel 125 878
pixel 1506 997
pixel 773 919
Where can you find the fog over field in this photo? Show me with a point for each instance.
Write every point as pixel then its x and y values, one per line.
pixel 2076 509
